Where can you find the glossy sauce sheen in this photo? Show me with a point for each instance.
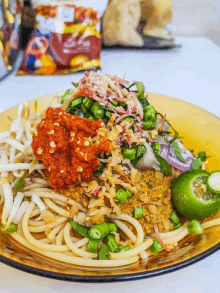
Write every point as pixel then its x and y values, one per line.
pixel 64 144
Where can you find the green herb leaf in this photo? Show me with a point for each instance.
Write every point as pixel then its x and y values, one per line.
pixel 11 229
pixel 196 164
pixel 177 151
pixel 76 84
pixel 131 85
pixel 203 156
pixel 66 95
pixel 140 89
pixel 104 252
pixel 149 185
pixel 19 184
pixel 164 165
pixel 25 198
pixel 176 134
pixel 192 152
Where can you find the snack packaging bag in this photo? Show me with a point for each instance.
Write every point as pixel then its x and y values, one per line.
pixel 10 20
pixel 66 37
pixel 138 23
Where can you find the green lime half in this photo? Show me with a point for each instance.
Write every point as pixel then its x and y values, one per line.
pixel 213 182
pixel 192 198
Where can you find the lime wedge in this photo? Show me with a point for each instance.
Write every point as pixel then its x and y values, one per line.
pixel 213 182
pixel 191 196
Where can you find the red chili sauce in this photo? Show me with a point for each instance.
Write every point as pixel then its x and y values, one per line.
pixel 64 144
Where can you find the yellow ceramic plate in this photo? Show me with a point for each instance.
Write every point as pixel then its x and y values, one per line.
pixel 200 129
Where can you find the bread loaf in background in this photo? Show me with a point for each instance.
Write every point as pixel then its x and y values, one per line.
pixel 138 23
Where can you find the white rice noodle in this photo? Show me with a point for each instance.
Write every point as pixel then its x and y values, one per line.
pixel 125 229
pixel 28 134
pixel 4 160
pixel 12 154
pixel 13 143
pixel 20 174
pixel 17 202
pixel 144 255
pixel 2 196
pixel 36 199
pixel 5 134
pixel 8 195
pixel 21 212
pixel 14 182
pixel 19 166
pixel 17 124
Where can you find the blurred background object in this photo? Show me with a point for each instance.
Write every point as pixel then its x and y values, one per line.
pixel 138 23
pixel 10 25
pixel 130 23
pixel 194 17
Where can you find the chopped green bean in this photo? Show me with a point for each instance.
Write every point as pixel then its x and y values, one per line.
pixel 129 193
pixel 125 248
pixel 194 227
pixel 113 227
pixel 176 226
pixel 156 246
pixel 111 243
pixel 108 114
pixel 92 246
pixel 114 103
pixel 140 150
pixel 97 110
pixel 127 119
pixel 87 102
pixel 148 125
pixel 129 153
pixel 99 231
pixel 104 252
pixel 83 108
pixel 121 195
pixel 89 116
pixel 156 148
pixel 82 230
pixel 138 213
pixel 124 105
pixel 76 102
pixel 174 218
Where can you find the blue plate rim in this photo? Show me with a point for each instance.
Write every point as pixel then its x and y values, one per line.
pixel 111 278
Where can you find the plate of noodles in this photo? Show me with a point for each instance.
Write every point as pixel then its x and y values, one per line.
pixel 107 182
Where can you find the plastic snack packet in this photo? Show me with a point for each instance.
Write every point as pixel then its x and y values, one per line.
pixel 66 37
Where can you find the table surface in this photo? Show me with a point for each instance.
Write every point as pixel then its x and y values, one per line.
pixel 189 73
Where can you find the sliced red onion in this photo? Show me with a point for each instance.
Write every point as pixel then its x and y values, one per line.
pixel 159 238
pixel 169 155
pixel 148 160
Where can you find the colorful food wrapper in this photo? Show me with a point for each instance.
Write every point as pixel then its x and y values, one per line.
pixel 138 23
pixel 10 20
pixel 66 37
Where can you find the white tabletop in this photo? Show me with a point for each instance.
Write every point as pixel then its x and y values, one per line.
pixel 190 73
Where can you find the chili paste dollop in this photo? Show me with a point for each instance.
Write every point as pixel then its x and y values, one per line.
pixel 64 144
